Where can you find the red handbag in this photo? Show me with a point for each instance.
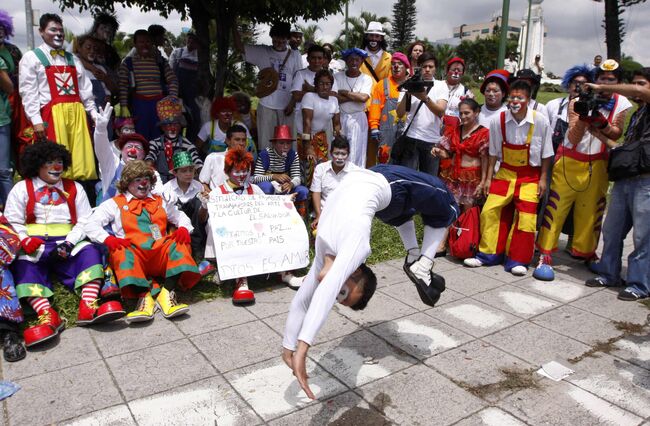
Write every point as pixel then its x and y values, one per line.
pixel 465 234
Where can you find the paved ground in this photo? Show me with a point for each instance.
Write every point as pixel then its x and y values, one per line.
pixel 467 362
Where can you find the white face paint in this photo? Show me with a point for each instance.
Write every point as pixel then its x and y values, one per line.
pixel 339 156
pixel 53 34
pixel 515 107
pixel 239 176
pixel 373 44
pixel 343 294
pixel 132 151
pixel 140 187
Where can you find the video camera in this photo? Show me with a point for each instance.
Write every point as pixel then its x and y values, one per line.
pixel 415 84
pixel 588 102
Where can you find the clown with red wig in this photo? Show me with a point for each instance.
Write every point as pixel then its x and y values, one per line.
pixel 212 136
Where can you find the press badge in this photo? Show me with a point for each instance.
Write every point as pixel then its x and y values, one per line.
pixel 282 76
pixel 155 232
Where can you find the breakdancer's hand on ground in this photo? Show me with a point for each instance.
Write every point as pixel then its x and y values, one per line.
pixel 299 363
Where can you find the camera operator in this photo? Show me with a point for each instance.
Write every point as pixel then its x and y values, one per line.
pixel 424 118
pixel 629 199
pixel 579 177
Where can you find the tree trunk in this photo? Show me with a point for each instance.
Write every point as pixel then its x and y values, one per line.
pixel 225 21
pixel 201 23
pixel 613 29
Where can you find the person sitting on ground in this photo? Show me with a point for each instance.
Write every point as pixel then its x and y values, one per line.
pixel 140 249
pixel 48 213
pixel 11 313
pixel 212 136
pixel 212 174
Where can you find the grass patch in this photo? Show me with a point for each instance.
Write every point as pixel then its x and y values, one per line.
pixel 628 328
pixel 514 379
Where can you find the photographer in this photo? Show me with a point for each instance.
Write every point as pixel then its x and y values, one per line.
pixel 579 177
pixel 629 198
pixel 428 102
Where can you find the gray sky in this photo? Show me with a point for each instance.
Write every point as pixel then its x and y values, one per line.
pixel 574 26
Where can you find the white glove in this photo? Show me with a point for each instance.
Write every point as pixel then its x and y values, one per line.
pixel 103 117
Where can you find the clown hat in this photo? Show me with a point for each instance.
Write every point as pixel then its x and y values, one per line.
pixel 133 137
pixel 354 51
pixel 454 60
pixel 282 133
pixel 498 76
pixel 170 110
pixel 182 159
pixel 399 56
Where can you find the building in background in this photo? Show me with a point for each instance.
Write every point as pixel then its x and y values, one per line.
pixel 535 37
pixel 473 32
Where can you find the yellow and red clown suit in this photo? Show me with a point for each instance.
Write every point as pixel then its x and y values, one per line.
pixel 580 180
pixel 140 249
pixel 509 215
pixel 57 94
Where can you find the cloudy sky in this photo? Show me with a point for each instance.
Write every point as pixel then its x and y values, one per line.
pixel 574 35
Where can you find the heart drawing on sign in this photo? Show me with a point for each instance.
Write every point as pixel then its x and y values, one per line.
pixel 259 227
pixel 288 204
pixel 221 231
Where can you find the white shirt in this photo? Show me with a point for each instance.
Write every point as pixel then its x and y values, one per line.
pixel 510 65
pixel 324 110
pixel 16 210
pixel 539 107
pixel 326 180
pixel 34 88
pixel 343 232
pixel 173 193
pixel 266 56
pixel 206 133
pixel 541 144
pixel 183 53
pixel 426 126
pixel 553 110
pixel 108 213
pixel 361 84
pixel 486 115
pixel 212 173
pixel 456 94
pixel 375 57
pixel 304 75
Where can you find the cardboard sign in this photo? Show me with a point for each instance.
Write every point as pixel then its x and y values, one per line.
pixel 257 234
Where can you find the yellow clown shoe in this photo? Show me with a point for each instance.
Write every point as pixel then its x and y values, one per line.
pixel 170 308
pixel 144 311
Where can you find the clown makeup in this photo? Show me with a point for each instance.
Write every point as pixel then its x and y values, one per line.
pixel 343 294
pixel 185 175
pixel 127 129
pixel 132 151
pixel 339 156
pixel 51 171
pixel 373 41
pixel 517 101
pixel 53 34
pixel 171 130
pixel 455 72
pixel 225 118
pixel 239 176
pixel 493 95
pixel 398 69
pixel 104 32
pixel 282 147
pixel 140 187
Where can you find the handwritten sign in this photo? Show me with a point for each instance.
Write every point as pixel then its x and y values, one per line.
pixel 257 234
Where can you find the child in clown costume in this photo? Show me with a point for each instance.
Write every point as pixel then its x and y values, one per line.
pixel 47 213
pixel 580 175
pixel 140 248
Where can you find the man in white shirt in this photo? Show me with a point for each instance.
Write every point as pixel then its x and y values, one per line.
pixel 510 63
pixel 274 109
pixel 212 174
pixel 533 81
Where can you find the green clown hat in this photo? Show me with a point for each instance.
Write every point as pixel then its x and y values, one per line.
pixel 182 159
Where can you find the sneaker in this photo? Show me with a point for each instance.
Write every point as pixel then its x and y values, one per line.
pixel 597 282
pixel 472 262
pixel 544 270
pixel 629 295
pixel 519 270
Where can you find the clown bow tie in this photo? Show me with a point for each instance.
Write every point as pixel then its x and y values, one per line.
pixel 59 52
pixel 50 195
pixel 136 205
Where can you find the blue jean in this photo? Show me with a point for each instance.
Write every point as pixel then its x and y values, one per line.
pixel 629 208
pixel 301 191
pixel 420 157
pixel 6 172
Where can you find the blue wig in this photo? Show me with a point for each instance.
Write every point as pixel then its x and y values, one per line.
pixel 575 71
pixel 7 22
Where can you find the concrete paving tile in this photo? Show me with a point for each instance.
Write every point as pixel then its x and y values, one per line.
pixel 158 369
pixel 577 272
pixel 118 415
pixel 336 326
pixel 578 324
pixel 535 344
pixel 468 281
pixel 615 381
pixel 516 301
pixel 605 303
pixel 477 363
pixel 72 347
pixel 634 349
pixel 395 263
pixel 560 289
pixel 443 264
pixel 380 308
pixel 406 292
pixel 238 346
pixel 272 302
pixel 420 335
pixel 345 409
pixel 472 317
pixel 360 358
pixel 497 272
pixel 419 395
pixel 62 394
pixel 491 416
pixel 561 403
pixel 211 401
pixel 271 389
pixel 210 316
pixel 387 274
pixel 118 337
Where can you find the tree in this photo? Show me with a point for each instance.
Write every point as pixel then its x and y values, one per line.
pixel 481 54
pixel 443 53
pixel 309 33
pixel 226 14
pixel 403 25
pixel 614 25
pixel 357 29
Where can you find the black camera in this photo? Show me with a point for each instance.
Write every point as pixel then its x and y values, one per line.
pixel 415 84
pixel 588 102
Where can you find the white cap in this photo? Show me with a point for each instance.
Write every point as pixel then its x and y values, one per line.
pixel 375 27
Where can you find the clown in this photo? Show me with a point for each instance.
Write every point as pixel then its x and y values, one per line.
pixel 495 89
pixel 56 94
pixel 212 136
pixel 162 149
pixel 47 211
pixel 580 177
pixel 140 248
pixel 457 91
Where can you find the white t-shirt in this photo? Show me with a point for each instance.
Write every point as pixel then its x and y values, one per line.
pixel 212 135
pixel 360 84
pixel 266 56
pixel 456 95
pixel 553 109
pixel 486 115
pixel 426 126
pixel 324 110
pixel 302 76
pixel 539 107
pixel 212 172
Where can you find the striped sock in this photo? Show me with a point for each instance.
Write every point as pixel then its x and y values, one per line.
pixel 90 291
pixel 39 304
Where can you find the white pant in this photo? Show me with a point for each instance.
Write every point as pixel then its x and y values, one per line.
pixel 355 128
pixel 267 119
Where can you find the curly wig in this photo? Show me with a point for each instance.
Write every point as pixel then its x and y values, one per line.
pixel 7 23
pixel 133 170
pixel 575 71
pixel 221 104
pixel 39 153
pixel 237 159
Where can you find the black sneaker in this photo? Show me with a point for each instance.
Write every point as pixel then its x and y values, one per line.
pixel 629 295
pixel 597 282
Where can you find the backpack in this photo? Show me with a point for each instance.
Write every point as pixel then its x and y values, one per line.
pixel 465 234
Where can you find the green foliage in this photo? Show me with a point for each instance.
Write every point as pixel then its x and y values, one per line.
pixel 443 53
pixel 122 43
pixel 481 55
pixel 356 29
pixel 403 25
pixel 309 33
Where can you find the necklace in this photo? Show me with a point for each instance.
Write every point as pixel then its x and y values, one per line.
pixel 354 83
